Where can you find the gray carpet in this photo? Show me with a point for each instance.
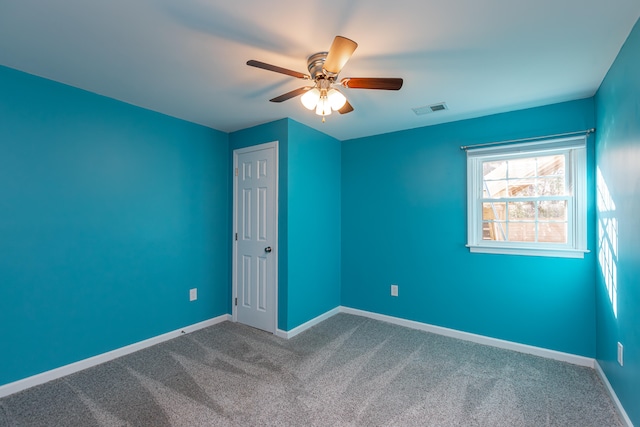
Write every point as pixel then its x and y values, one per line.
pixel 346 371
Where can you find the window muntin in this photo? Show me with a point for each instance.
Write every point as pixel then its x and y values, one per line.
pixel 528 198
pixel 524 199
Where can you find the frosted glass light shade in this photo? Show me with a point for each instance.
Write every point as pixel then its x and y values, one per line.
pixel 323 108
pixel 310 98
pixel 336 99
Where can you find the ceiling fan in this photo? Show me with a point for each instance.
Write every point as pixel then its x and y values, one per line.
pixel 324 68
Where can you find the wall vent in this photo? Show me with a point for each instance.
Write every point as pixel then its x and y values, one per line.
pixel 433 108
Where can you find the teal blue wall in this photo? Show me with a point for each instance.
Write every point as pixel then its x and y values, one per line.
pixel 109 214
pixel 404 222
pixel 309 218
pixel 314 224
pixel 618 160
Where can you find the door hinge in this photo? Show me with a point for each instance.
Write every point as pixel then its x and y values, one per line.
pixel 236 236
pixel 236 301
pixel 236 171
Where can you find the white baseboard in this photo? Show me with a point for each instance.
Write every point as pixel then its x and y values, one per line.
pixel 62 371
pixel 480 339
pixel 613 395
pixel 466 336
pixel 295 331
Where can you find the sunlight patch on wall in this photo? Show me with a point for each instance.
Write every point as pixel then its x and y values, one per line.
pixel 607 240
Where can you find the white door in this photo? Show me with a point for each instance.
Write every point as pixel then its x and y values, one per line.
pixel 255 225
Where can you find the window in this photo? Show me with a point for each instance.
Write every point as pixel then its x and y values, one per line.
pixel 528 198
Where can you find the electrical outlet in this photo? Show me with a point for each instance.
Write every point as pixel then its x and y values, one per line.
pixel 193 294
pixel 620 354
pixel 394 290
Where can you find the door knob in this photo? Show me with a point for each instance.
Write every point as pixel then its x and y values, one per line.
pixel 267 249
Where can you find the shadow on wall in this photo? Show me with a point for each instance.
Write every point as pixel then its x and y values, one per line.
pixel 608 240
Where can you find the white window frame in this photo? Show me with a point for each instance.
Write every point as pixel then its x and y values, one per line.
pixel 576 177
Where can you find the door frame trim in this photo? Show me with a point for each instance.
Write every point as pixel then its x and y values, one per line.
pixel 274 253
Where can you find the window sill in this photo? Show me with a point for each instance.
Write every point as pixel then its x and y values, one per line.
pixel 556 253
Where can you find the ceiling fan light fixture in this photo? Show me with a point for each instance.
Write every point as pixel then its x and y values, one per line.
pixel 310 98
pixel 336 99
pixel 323 108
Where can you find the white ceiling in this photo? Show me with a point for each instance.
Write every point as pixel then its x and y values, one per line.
pixel 186 58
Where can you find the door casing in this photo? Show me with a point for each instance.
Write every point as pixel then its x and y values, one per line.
pixel 274 253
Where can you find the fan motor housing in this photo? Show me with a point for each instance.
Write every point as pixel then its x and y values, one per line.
pixel 315 64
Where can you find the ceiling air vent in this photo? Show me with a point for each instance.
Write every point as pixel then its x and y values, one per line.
pixel 433 108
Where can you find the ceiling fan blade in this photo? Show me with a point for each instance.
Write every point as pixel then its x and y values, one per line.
pixel 372 83
pixel 291 94
pixel 346 108
pixel 341 50
pixel 269 67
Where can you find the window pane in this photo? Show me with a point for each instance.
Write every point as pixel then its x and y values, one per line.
pixel 494 231
pixel 522 232
pixel 552 210
pixel 494 170
pixel 552 232
pixel 522 211
pixel 492 211
pixel 551 165
pixel 494 189
pixel 522 168
pixel 522 187
pixel 551 186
